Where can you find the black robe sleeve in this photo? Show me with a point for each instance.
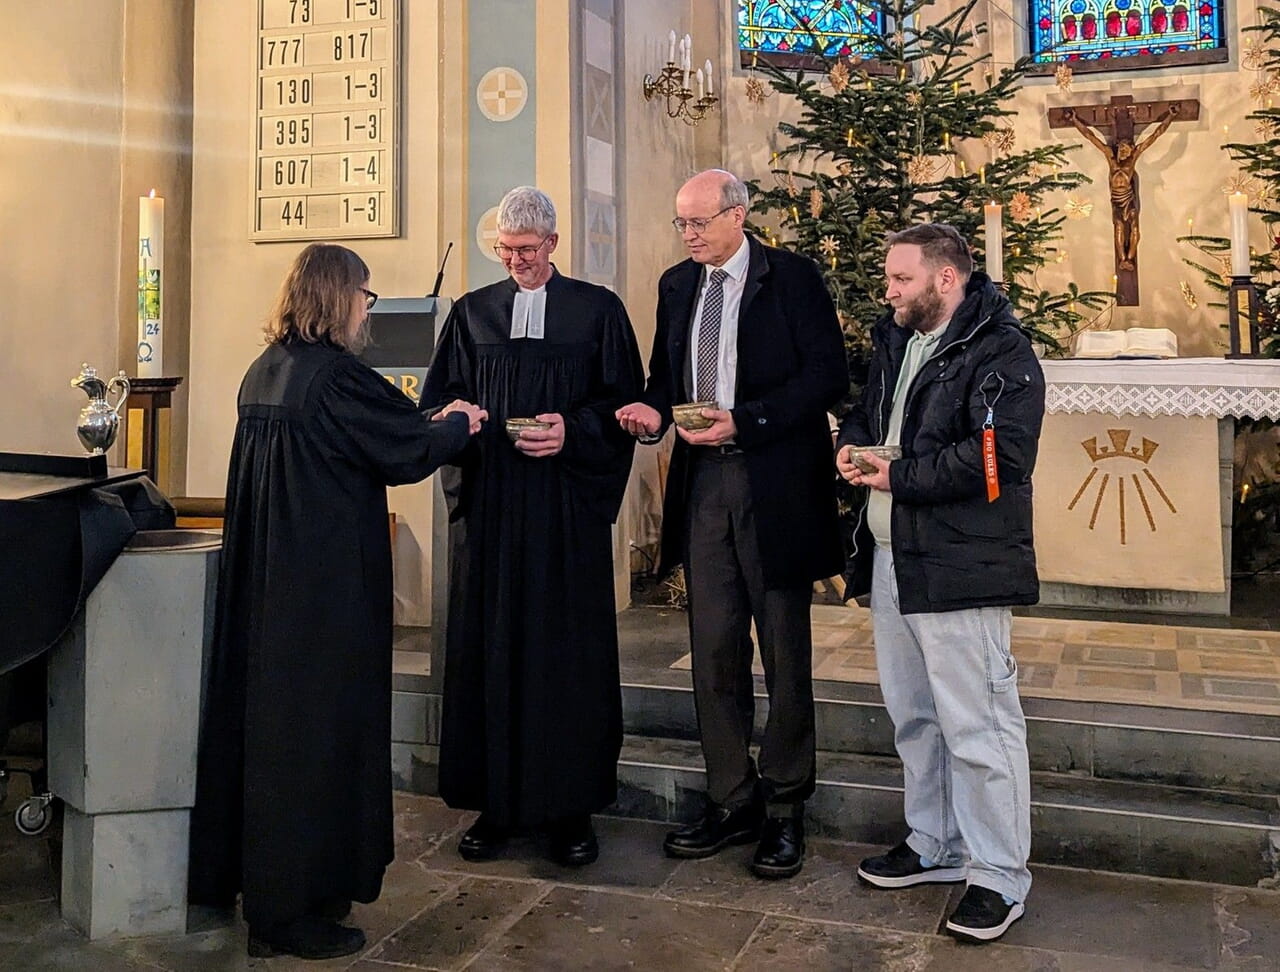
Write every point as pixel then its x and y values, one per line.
pixel 597 452
pixel 377 427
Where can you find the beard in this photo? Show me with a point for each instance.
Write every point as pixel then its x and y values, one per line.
pixel 922 314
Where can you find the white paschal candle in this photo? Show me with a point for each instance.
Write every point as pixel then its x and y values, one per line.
pixel 150 286
pixel 1239 205
pixel 994 237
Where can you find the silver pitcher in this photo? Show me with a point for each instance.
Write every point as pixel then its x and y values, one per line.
pixel 99 420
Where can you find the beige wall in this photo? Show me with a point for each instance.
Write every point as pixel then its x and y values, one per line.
pixel 1181 176
pixel 81 133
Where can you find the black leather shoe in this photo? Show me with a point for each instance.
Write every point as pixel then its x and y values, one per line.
pixel 573 842
pixel 718 828
pixel 308 937
pixel 781 850
pixel 483 841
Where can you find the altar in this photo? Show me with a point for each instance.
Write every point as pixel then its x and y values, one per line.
pixel 1133 485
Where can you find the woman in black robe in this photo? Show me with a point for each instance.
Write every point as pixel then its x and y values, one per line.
pixel 293 791
pixel 532 715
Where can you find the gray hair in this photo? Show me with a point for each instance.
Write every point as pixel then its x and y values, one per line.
pixel 526 209
pixel 734 192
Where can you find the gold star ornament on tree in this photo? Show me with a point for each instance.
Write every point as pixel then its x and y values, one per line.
pixel 1188 295
pixel 839 76
pixel 1020 208
pixel 1062 77
pixel 1078 209
pixel 756 90
pixel 1000 140
pixel 829 246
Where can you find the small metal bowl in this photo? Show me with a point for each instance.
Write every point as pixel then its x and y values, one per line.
pixel 890 452
pixel 515 426
pixel 689 415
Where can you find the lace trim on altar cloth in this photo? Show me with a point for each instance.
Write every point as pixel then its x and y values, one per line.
pixel 1201 388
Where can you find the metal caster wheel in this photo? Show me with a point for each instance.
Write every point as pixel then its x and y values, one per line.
pixel 33 815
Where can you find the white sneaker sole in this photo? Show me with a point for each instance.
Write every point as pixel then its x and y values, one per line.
pixel 986 934
pixel 934 875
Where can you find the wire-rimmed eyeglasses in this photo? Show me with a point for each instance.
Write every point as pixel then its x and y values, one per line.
pixel 698 225
pixel 524 252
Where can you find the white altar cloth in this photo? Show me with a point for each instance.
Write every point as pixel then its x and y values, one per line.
pixel 1188 387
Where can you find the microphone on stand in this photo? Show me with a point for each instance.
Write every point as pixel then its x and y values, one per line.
pixel 435 290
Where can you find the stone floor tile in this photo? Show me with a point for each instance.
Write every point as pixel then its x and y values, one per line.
pixel 423 824
pixel 1248 925
pixel 459 924
pixel 581 929
pixel 784 943
pixel 34 938
pixel 631 858
pixel 1119 917
pixel 826 889
pixel 406 891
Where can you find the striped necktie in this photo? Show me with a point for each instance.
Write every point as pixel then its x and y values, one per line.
pixel 709 337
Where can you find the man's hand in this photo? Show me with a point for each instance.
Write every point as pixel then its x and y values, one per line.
pixel 541 443
pixel 639 419
pixel 721 430
pixel 475 414
pixel 850 471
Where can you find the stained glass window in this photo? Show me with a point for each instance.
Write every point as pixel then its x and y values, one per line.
pixel 1114 34
pixel 786 29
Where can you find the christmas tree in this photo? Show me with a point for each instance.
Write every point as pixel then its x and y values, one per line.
pixel 1256 507
pixel 1259 178
pixel 880 144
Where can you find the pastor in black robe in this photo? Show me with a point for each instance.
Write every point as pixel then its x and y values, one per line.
pixel 293 792
pixel 532 714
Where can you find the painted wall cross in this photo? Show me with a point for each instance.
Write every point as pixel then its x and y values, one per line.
pixel 1123 120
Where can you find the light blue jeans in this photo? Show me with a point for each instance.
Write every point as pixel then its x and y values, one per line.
pixel 951 687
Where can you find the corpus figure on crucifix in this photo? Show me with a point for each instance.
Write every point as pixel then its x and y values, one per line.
pixel 1122 160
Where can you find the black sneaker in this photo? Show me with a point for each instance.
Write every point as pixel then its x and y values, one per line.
pixel 982 915
pixel 901 868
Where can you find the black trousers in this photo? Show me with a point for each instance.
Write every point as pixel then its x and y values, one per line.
pixel 725 583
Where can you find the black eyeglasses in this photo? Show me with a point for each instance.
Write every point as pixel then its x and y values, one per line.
pixel 370 298
pixel 698 225
pixel 525 252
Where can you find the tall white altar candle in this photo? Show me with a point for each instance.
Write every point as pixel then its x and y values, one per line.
pixel 994 236
pixel 1239 204
pixel 150 292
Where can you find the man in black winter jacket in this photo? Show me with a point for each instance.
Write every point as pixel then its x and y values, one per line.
pixel 944 544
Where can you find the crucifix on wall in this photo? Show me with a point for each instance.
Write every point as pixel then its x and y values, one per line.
pixel 1123 120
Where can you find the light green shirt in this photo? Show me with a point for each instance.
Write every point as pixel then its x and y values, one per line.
pixel 880 504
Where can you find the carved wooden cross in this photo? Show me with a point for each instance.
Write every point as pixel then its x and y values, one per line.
pixel 1124 119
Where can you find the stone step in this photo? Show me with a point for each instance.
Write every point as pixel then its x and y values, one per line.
pixel 1177 747
pixel 1130 827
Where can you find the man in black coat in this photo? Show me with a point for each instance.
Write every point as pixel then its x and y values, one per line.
pixel 953 382
pixel 750 506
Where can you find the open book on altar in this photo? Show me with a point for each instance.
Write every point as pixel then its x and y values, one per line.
pixel 1135 342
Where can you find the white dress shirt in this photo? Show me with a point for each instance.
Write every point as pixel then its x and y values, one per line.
pixel 727 358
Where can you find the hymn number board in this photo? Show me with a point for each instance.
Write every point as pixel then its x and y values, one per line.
pixel 327 122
